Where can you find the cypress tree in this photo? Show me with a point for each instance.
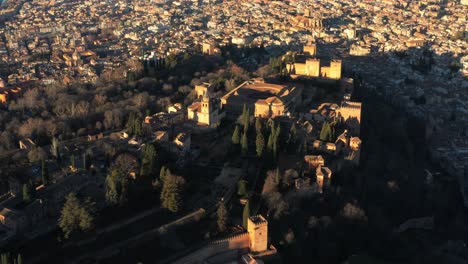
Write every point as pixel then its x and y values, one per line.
pixel 292 135
pixel 246 121
pixel 137 127
pixel 325 132
pixel 258 125
pixel 260 144
pixel 222 215
pixel 236 136
pixel 244 112
pixel 276 140
pixel 244 144
pixel 5 258
pixel 131 124
pixel 331 135
pixel 245 215
pixel 27 195
pixel 277 176
pixel 271 138
pixel 242 188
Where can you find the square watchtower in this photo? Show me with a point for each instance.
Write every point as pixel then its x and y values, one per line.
pixel 257 227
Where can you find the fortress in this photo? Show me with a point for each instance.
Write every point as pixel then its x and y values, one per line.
pixel 350 112
pixel 230 249
pixel 308 65
pixel 265 99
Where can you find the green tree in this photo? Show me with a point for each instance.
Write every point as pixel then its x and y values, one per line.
pixel 325 131
pixel 86 215
pixel 276 138
pixel 260 144
pixel 75 215
pixel 292 136
pixel 244 144
pixel 244 113
pixel 222 215
pixel 69 214
pixel 332 136
pixel 269 146
pixel 138 127
pixel 131 123
pixel 171 193
pixel 236 136
pixel 148 159
pixel 116 187
pixel 162 172
pixel 5 258
pixel 258 125
pixel 246 121
pixel 277 176
pixel 19 259
pixel 28 191
pixel 45 173
pixel 242 188
pixel 246 215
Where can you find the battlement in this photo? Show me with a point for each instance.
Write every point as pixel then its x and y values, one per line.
pixel 257 227
pixel 258 220
pixel 349 104
pixel 235 237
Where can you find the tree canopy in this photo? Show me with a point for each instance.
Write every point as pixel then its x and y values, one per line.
pixel 76 216
pixel 171 193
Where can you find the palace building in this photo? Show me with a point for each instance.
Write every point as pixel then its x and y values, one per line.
pixel 263 99
pixel 308 65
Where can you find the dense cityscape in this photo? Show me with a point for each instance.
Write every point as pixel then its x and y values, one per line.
pixel 209 131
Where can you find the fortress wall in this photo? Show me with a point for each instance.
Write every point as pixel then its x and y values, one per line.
pixel 233 243
pixel 300 68
pixel 313 67
pixel 335 70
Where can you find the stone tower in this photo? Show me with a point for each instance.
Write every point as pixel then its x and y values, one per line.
pixel 257 227
pixel 310 49
pixel 313 67
pixel 206 107
pixel 335 69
